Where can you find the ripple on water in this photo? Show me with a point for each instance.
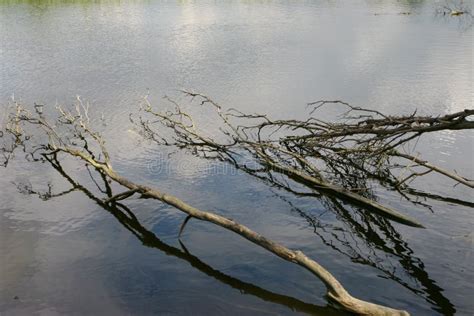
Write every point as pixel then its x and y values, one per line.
pixel 268 57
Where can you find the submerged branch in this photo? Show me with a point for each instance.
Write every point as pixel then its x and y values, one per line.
pixel 126 217
pixel 327 156
pixel 432 167
pixel 81 142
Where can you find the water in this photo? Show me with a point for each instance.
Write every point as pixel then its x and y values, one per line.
pixel 68 255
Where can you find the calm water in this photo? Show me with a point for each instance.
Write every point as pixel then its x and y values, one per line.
pixel 68 255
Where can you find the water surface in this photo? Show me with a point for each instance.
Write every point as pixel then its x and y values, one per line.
pixel 69 255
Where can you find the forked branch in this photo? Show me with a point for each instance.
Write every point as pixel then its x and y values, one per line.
pixel 81 142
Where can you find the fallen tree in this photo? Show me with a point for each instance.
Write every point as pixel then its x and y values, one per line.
pixel 329 158
pixel 365 145
pixel 129 220
pixel 70 134
pixel 326 156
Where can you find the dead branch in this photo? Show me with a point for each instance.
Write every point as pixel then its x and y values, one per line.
pixel 432 167
pixel 76 139
pixel 127 218
pixel 363 143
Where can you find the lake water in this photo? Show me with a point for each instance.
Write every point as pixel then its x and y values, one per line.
pixel 68 255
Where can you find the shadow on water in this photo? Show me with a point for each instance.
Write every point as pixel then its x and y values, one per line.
pixel 359 235
pixel 128 219
pixel 365 238
pixel 373 241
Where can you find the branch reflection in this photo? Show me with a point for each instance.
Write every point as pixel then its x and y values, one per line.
pixel 363 237
pixel 128 219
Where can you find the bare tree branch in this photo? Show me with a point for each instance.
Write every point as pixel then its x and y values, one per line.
pixel 78 140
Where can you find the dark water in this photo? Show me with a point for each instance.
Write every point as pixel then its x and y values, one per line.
pixel 68 255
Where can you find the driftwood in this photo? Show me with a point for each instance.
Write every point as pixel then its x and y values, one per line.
pixel 454 9
pixel 328 157
pixel 71 135
pixel 129 220
pixel 364 146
